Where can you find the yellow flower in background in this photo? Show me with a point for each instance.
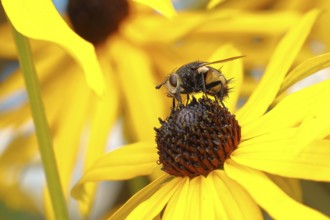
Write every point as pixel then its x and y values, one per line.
pixel 286 137
pixel 70 104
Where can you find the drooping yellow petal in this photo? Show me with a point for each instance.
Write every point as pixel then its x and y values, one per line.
pixel 139 197
pixel 143 102
pixel 277 68
pixel 257 184
pixel 103 116
pixel 305 69
pixel 237 203
pixel 177 205
pixel 154 205
pixel 67 132
pixel 285 159
pixel 39 19
pixel 290 111
pixel 165 7
pixel 124 163
pixel 232 70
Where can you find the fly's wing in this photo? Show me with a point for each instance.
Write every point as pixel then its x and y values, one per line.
pixel 220 61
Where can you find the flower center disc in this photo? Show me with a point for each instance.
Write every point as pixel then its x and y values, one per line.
pixel 95 20
pixel 197 138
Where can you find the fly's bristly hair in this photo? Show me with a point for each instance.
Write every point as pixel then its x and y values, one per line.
pixel 196 77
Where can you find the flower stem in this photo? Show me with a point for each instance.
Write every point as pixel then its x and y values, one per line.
pixel 41 126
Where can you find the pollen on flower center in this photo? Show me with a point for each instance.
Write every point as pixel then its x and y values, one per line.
pixel 197 138
pixel 95 20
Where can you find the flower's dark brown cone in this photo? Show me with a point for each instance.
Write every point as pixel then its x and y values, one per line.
pixel 197 138
pixel 95 20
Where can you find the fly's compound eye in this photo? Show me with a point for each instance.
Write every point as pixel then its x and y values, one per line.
pixel 173 80
pixel 173 84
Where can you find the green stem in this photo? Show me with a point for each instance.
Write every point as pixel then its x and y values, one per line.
pixel 41 126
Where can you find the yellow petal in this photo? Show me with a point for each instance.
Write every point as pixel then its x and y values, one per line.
pixel 284 158
pixel 47 66
pixel 220 206
pixel 317 123
pixel 269 196
pixel 305 69
pixel 39 19
pixel 206 200
pixel 290 111
pixel 143 102
pixel 290 186
pixel 276 70
pixel 213 3
pixel 103 116
pixel 7 44
pixel 232 70
pixel 66 136
pixel 177 205
pixel 155 204
pixel 193 210
pixel 139 197
pixel 246 23
pixel 165 7
pixel 237 203
pixel 124 163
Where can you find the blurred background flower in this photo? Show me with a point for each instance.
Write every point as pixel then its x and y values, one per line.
pixel 136 48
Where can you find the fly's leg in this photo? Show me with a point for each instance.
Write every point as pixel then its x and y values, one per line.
pixel 188 98
pixel 204 85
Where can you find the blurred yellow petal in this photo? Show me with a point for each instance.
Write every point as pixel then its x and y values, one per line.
pixel 285 159
pixel 237 203
pixel 290 111
pixel 103 116
pixel 213 3
pixel 143 101
pixel 290 186
pixel 165 7
pixel 67 135
pixel 140 196
pixel 267 24
pixel 7 44
pixel 46 66
pixel 305 69
pixel 154 205
pixel 232 70
pixel 278 66
pixel 176 206
pixel 123 163
pixel 257 183
pixel 39 19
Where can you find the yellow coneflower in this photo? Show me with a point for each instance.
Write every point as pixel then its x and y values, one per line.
pixel 216 164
